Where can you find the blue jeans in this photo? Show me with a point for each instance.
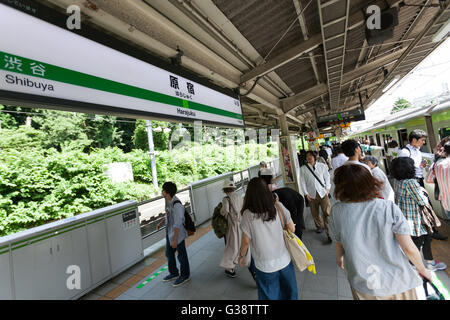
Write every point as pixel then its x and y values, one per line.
pixel 182 258
pixel 278 285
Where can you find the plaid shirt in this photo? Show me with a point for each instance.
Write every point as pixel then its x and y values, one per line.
pixel 409 198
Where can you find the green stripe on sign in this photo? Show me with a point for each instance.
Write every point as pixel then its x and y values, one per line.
pixel 153 276
pixel 76 78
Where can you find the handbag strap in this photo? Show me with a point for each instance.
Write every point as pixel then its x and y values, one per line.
pixel 315 176
pixel 281 216
pixel 436 290
pixel 231 205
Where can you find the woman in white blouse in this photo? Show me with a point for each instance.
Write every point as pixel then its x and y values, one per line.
pixel 262 231
pixel 386 191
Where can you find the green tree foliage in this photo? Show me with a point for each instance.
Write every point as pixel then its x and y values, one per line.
pixel 63 131
pixel 56 168
pixel 6 120
pixel 140 139
pixel 40 186
pixel 126 126
pixel 400 105
pixel 102 131
pixel 22 138
pixel 19 114
pixel 161 136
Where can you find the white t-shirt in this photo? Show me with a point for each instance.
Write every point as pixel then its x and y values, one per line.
pixel 415 154
pixel 386 192
pixel 358 163
pixel 339 160
pixel 267 243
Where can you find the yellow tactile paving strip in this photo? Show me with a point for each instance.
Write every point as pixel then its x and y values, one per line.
pixel 160 257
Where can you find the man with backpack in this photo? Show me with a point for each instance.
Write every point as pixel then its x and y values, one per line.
pixel 175 235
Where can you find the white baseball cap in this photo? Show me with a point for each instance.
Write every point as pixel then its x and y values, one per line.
pixel 266 172
pixel 228 184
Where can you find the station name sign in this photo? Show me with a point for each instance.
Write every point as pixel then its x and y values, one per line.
pixel 39 59
pixel 342 117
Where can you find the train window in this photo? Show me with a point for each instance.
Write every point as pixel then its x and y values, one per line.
pixel 386 138
pixel 444 132
pixel 402 138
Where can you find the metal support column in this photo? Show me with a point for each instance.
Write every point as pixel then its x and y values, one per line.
pixel 288 157
pixel 431 136
pixel 151 152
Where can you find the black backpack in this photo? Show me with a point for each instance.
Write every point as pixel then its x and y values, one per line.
pixel 188 223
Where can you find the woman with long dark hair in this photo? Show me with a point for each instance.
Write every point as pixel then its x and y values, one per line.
pixel 262 226
pixel 373 242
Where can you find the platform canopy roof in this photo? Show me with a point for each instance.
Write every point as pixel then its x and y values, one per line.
pixel 305 55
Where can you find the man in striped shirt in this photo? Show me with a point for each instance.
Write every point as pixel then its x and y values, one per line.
pixel 442 171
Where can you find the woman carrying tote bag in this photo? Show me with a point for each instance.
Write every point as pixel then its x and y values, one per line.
pixel 262 231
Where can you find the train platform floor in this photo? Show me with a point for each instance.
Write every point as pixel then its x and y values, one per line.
pixel 208 281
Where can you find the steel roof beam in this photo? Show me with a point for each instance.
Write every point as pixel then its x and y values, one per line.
pixel 354 20
pixel 303 97
pixel 404 56
pixel 304 28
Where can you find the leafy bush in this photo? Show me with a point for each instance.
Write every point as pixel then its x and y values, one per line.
pixel 39 185
pixel 21 139
pixel 6 120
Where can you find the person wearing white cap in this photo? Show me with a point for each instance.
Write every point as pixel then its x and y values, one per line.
pixel 267 176
pixel 231 208
pixel 262 166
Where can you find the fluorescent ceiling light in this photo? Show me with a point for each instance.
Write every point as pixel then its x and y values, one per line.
pixel 442 32
pixel 391 84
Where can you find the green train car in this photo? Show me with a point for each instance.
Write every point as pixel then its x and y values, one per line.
pixel 398 126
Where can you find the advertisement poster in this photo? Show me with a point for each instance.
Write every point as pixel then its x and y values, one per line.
pixel 286 160
pixel 294 153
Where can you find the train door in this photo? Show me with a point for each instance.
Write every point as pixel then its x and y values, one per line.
pixel 402 138
pixel 378 140
pixel 444 132
pixel 385 141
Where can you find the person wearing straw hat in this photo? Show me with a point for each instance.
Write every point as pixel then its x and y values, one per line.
pixel 231 208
